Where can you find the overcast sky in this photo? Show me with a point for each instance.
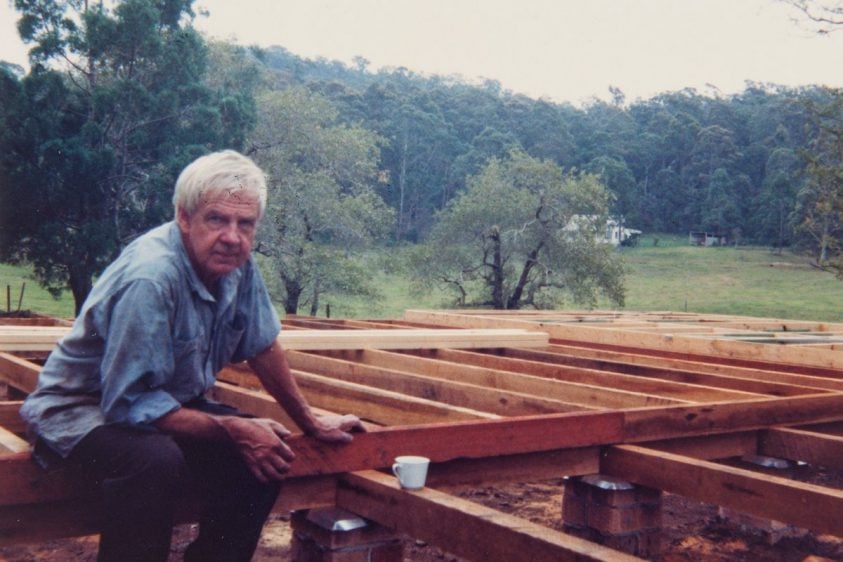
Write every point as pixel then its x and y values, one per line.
pixel 563 50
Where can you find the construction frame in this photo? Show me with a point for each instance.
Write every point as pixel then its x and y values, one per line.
pixel 655 399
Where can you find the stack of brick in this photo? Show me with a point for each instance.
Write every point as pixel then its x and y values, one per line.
pixel 335 535
pixel 613 513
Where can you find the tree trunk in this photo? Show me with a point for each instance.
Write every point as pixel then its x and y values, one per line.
pixel 497 278
pixel 80 285
pixel 402 185
pixel 314 301
pixel 514 301
pixel 291 301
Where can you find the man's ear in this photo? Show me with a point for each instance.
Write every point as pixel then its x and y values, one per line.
pixel 183 220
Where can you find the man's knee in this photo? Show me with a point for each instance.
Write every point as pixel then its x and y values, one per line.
pixel 117 456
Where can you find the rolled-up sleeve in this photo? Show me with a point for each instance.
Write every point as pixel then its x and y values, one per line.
pixel 138 356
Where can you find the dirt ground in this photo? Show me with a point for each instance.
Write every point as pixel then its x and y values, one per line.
pixel 691 532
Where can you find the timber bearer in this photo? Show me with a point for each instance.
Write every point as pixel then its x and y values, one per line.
pixel 121 399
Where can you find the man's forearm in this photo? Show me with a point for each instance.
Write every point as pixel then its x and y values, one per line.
pixel 276 377
pixel 186 422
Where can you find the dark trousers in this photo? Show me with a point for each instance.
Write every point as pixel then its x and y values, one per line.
pixel 141 474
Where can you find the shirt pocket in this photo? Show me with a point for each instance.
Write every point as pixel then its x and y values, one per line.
pixel 228 340
pixel 189 356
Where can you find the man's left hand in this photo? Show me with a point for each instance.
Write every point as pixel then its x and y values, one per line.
pixel 336 428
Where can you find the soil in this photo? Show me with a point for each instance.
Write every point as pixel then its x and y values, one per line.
pixel 691 531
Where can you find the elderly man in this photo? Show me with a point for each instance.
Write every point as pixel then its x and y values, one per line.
pixel 121 400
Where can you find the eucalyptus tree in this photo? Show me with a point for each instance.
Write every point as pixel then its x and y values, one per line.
pixel 524 233
pixel 819 211
pixel 323 210
pixel 113 107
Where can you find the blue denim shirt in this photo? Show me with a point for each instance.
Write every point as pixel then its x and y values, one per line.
pixel 149 338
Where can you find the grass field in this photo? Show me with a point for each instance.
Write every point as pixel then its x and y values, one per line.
pixel 669 276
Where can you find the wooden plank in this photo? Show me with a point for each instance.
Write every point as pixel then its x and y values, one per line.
pixel 719 446
pixel 797 503
pixel 774 383
pixel 754 381
pixel 665 342
pixel 457 393
pixel 23 482
pixel 660 391
pixel 799 445
pixel 410 338
pixel 79 516
pixel 526 467
pixel 10 416
pixel 383 407
pixel 254 402
pixel 19 373
pixel 11 442
pixel 464 528
pixel 378 406
pixel 44 338
pixel 489 438
pixel 460 369
pixel 648 424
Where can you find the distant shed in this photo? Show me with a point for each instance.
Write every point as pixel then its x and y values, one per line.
pixel 699 238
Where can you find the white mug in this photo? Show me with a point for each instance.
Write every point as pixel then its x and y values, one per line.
pixel 411 471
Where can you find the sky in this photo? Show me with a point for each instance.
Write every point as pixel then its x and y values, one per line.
pixel 560 50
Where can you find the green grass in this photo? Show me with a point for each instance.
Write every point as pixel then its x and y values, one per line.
pixel 669 276
pixel 748 281
pixel 13 279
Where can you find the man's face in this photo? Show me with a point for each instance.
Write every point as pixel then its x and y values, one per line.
pixel 219 234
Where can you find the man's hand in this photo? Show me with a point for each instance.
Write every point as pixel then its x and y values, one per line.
pixel 336 428
pixel 260 442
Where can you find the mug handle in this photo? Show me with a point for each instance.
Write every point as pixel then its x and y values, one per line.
pixel 396 470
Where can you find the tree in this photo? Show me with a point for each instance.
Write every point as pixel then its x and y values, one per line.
pixel 322 209
pixel 778 197
pixel 113 108
pixel 819 212
pixel 524 233
pixel 826 16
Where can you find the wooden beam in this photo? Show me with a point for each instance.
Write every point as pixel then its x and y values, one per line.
pixel 383 407
pixel 10 416
pixel 79 516
pixel 799 445
pixel 797 503
pixel 40 338
pixel 648 424
pixel 11 442
pixel 719 446
pixel 23 482
pixel 526 381
pixel 464 528
pixel 738 353
pixel 770 383
pixel 410 338
pixel 19 373
pixel 466 393
pixel 659 391
pixel 379 406
pixel 526 467
pixel 30 338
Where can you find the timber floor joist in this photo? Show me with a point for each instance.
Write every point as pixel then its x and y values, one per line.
pixel 661 399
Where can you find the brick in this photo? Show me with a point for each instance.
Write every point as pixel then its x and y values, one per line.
pixel 574 511
pixel 312 542
pixel 644 545
pixel 623 520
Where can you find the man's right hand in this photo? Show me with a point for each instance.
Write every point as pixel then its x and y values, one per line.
pixel 260 442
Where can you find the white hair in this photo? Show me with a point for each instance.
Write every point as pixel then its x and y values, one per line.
pixel 214 174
